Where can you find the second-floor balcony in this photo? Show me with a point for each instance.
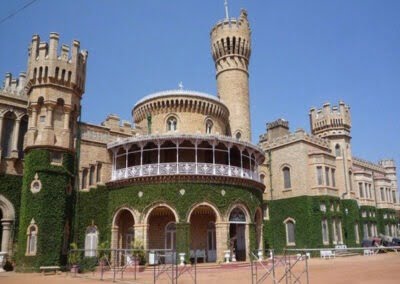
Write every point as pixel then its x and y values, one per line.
pixel 179 154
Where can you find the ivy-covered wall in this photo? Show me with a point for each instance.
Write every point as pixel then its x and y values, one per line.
pixel 10 188
pixel 307 213
pixel 99 205
pixel 51 208
pixel 351 217
pixel 390 219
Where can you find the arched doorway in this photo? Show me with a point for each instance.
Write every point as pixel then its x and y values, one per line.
pixel 237 233
pixel 162 231
pixel 124 231
pixel 7 219
pixel 202 231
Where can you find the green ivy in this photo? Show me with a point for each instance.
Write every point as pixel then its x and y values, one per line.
pixel 98 206
pixel 10 188
pixel 50 208
pixel 305 210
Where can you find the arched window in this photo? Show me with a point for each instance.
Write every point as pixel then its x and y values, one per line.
pixel 237 216
pixel 172 124
pixel 92 173
pixel 170 235
pixel 209 126
pixel 338 153
pixel 290 231
pixel 98 172
pixel 84 178
pixel 325 232
pixel 262 178
pixel 91 240
pixel 286 178
pixel 31 242
pixel 238 135
pixel 7 133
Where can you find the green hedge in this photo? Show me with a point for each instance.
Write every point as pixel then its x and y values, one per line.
pixel 51 208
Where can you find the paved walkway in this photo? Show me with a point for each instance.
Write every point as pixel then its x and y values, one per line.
pixel 382 268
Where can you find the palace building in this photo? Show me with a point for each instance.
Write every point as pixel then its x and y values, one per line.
pixel 185 176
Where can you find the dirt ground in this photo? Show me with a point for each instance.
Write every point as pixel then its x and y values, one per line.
pixel 382 268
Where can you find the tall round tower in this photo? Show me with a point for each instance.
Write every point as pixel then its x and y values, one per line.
pixel 231 49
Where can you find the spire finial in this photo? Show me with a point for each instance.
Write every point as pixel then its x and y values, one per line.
pixel 180 85
pixel 226 9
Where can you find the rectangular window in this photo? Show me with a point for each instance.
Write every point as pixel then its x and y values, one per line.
pixel 394 196
pixel 319 176
pixel 387 195
pixel 356 233
pixel 42 119
pixel 333 177
pixel 327 176
pixel 56 158
pixel 325 232
pixel 382 194
pixel 365 227
pixel 360 187
pixel 366 190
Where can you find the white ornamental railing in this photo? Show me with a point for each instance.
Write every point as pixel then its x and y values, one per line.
pixel 184 169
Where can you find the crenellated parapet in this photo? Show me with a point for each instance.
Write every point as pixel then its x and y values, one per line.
pixel 14 87
pixel 47 66
pixel 231 43
pixel 331 121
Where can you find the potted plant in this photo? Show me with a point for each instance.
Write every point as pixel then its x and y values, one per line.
pixel 74 258
pixel 138 252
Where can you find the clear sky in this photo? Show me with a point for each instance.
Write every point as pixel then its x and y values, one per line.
pixel 304 53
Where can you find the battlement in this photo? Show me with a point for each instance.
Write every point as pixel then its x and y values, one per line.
pixel 329 120
pixel 235 24
pixel 47 65
pixel 231 37
pixel 278 123
pixel 389 163
pixel 14 86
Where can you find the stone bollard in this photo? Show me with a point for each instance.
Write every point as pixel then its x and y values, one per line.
pixel 182 258
pixel 260 255
pixel 227 255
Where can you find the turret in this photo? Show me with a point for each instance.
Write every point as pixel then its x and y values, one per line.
pixel 331 121
pixel 55 84
pixel 231 49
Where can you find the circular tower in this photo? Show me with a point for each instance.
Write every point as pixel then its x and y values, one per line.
pixel 231 49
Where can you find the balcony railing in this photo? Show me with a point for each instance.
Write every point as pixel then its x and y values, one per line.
pixel 184 169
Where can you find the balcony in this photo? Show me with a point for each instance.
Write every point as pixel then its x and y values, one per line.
pixel 189 155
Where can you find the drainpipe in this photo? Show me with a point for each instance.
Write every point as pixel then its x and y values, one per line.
pixel 76 173
pixel 345 175
pixel 271 190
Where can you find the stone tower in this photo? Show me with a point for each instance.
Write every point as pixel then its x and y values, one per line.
pixel 334 124
pixel 231 49
pixel 55 84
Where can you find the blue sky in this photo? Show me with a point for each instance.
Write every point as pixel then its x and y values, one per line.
pixel 305 53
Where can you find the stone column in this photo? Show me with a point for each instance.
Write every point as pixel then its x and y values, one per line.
pixel 114 244
pixel 67 114
pixel 49 116
pixel 221 232
pixel 6 234
pixel 14 152
pixel 247 239
pixel 140 233
pixel 33 120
